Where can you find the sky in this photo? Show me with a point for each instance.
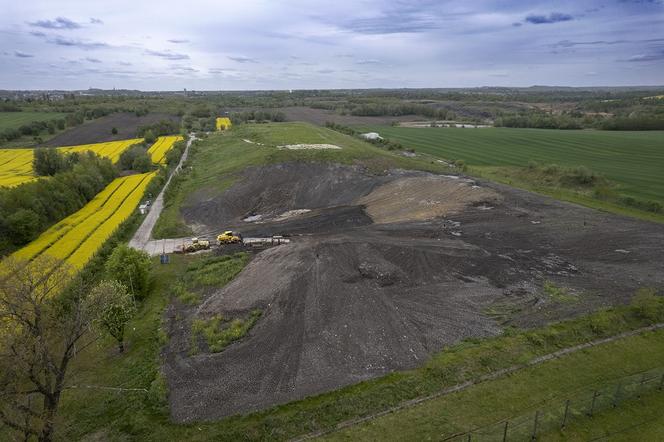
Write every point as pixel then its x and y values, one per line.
pixel 298 44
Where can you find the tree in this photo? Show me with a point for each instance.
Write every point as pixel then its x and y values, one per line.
pixel 114 131
pixel 131 268
pixel 149 137
pixel 142 163
pixel 135 158
pixel 22 225
pixel 43 329
pixel 48 161
pixel 116 307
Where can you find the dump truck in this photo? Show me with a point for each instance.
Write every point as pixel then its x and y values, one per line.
pixel 229 237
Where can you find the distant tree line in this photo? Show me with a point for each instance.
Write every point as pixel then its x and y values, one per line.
pixel 163 127
pixel 538 121
pixel 30 208
pixel 399 109
pixel 257 116
pixel 578 121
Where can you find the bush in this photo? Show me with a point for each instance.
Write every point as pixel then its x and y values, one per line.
pixel 647 305
pixel 48 162
pixel 135 158
pixel 114 131
pixel 131 268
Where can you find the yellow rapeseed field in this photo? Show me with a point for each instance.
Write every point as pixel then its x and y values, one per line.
pixel 159 149
pixel 16 164
pixel 77 238
pixel 223 123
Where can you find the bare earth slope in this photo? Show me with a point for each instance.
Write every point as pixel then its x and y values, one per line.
pixel 384 270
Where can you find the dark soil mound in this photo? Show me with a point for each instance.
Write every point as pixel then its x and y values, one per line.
pixel 356 295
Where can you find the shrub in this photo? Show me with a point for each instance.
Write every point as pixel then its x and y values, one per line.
pixel 647 305
pixel 131 268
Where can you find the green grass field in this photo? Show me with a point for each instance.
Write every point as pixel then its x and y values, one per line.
pixel 633 160
pixel 15 119
pixel 545 387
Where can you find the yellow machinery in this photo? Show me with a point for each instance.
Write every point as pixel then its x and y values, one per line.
pixel 229 237
pixel 223 123
pixel 196 245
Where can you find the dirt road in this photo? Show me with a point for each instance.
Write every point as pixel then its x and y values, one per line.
pixel 141 239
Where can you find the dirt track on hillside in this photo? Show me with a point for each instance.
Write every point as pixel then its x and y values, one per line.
pixel 369 285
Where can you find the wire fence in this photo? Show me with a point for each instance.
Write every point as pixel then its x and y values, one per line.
pixel 557 413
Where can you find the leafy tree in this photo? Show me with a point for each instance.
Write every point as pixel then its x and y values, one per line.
pixel 131 268
pixel 41 335
pixel 142 163
pixel 135 158
pixel 48 162
pixel 116 307
pixel 22 225
pixel 114 131
pixel 149 137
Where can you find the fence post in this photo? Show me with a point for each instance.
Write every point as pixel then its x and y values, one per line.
pixel 505 431
pixel 661 383
pixel 469 435
pixel 616 397
pixel 534 436
pixel 565 414
pixel 592 404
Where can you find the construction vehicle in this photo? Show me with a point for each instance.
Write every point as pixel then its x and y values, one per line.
pixel 196 245
pixel 229 237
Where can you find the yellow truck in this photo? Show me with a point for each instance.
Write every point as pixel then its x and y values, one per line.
pixel 196 245
pixel 229 237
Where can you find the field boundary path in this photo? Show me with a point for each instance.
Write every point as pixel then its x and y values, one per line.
pixel 487 377
pixel 141 239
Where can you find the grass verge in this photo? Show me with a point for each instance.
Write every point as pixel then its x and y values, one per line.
pixel 131 415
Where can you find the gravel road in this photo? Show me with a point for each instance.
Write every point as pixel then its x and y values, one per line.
pixel 142 237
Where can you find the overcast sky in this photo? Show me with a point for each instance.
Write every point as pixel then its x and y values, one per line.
pixel 298 44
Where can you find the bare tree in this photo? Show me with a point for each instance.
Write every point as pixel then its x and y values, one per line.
pixel 44 321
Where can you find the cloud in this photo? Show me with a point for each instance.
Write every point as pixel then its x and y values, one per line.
pixel 92 60
pixel 178 41
pixel 391 24
pixel 368 61
pixel 37 34
pixel 96 21
pixel 221 70
pixel 58 23
pixel 325 71
pixel 124 63
pixel 242 59
pixel 569 43
pixel 70 42
pixel 167 55
pixel 184 69
pixel 652 56
pixel 21 54
pixel 554 17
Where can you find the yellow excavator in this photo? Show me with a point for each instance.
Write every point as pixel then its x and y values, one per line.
pixel 229 237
